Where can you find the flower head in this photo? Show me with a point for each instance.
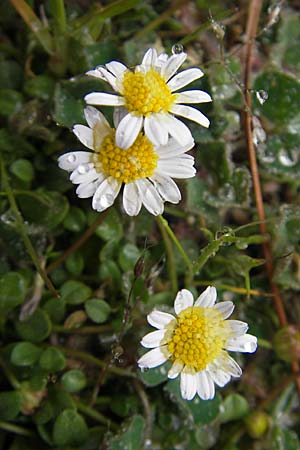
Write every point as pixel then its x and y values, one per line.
pixel 144 168
pixel 197 341
pixel 148 98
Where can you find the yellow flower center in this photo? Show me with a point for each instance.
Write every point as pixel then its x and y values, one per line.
pixel 138 161
pixel 146 93
pixel 198 337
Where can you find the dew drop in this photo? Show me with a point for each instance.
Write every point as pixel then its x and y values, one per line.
pixel 287 159
pixel 177 49
pixel 262 96
pixel 106 200
pixel 82 169
pixel 71 158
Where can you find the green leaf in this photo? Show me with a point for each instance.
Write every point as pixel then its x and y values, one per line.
pixel 75 263
pixel 74 292
pixel 10 102
pixel 56 309
pixel 41 86
pixel 74 380
pixel 46 208
pixel 23 169
pixel 68 109
pixel 280 156
pixel 128 256
pixel 52 360
pixel 131 436
pixel 12 291
pixel 97 310
pixel 36 328
pixel 215 158
pixel 198 411
pixel 234 407
pixel 25 354
pixel 111 227
pixel 75 220
pixel 10 405
pixel 69 428
pixel 283 102
pixel 156 376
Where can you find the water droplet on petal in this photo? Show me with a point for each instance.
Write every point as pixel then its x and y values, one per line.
pixel 177 49
pixel 82 169
pixel 262 96
pixel 106 200
pixel 71 158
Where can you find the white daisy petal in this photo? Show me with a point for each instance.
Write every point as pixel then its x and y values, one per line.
pixel 228 365
pixel 70 161
pixel 102 98
pixel 95 117
pixel 184 299
pixel 207 298
pixel 150 197
pixel 218 376
pixel 173 148
pixel 119 113
pixel 225 308
pixel 246 343
pixel 154 339
pixel 153 358
pixel 95 73
pixel 172 65
pixel 150 57
pixel 155 130
pixel 85 190
pixel 105 194
pixel 205 385
pixel 160 319
pixel 190 113
pixel 84 134
pixel 132 202
pixel 174 170
pixel 193 97
pixel 109 77
pixel 84 173
pixel 160 61
pixel 175 369
pixel 188 385
pixel 183 78
pixel 128 130
pixel 178 130
pixel 167 188
pixel 237 326
pixel 116 68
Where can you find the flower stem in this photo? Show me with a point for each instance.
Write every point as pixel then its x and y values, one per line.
pixel 59 15
pixel 12 428
pixel 9 375
pixel 179 247
pixel 170 259
pixel 21 229
pixel 96 362
pixel 91 412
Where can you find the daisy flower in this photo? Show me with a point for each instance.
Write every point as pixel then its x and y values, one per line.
pixel 145 170
pixel 197 341
pixel 147 98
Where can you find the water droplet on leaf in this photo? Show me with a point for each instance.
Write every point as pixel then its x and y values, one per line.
pixel 262 96
pixel 177 49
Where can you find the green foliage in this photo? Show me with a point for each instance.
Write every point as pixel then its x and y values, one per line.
pixel 69 378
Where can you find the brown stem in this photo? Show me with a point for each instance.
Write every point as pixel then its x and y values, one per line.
pixel 251 31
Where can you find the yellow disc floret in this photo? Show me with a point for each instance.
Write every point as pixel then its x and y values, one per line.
pixel 198 338
pixel 126 166
pixel 146 93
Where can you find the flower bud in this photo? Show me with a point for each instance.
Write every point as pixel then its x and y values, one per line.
pixel 257 424
pixel 287 343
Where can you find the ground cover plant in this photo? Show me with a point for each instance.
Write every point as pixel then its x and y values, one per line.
pixel 149 225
